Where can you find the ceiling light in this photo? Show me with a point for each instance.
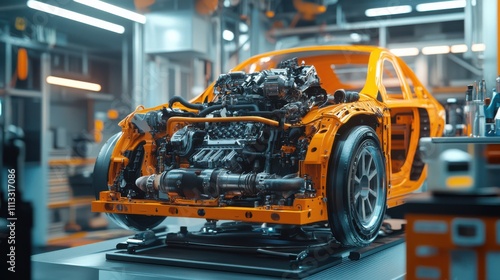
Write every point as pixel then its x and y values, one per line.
pixel 115 10
pixel 459 48
pixel 72 83
pixel 405 51
pixel 478 47
pixel 227 35
pixel 387 11
pixel 75 16
pixel 442 5
pixel 435 50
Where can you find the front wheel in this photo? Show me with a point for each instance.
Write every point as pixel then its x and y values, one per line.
pixel 357 191
pixel 100 183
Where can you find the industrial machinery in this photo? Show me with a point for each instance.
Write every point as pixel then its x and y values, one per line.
pixel 322 135
pixel 453 231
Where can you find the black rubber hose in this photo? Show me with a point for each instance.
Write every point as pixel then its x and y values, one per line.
pixel 295 133
pixel 209 110
pixel 185 103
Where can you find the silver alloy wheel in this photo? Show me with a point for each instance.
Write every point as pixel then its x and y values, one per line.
pixel 367 188
pixel 357 190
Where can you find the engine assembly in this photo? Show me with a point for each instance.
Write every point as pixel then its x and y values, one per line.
pixel 220 150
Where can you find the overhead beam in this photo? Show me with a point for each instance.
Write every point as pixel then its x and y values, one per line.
pixel 366 24
pixel 68 49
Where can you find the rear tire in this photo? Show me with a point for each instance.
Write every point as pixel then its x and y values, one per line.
pixel 356 190
pixel 100 183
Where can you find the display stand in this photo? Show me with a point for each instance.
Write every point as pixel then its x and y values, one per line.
pixel 91 262
pixel 294 252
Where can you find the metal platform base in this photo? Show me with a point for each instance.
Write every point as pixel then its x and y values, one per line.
pixel 91 262
pixel 297 253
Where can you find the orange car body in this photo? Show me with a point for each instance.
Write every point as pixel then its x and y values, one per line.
pixel 391 99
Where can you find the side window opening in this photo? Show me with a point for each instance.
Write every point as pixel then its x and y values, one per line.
pixel 391 82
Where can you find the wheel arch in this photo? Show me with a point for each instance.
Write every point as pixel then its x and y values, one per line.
pixel 379 127
pixel 360 119
pixel 102 169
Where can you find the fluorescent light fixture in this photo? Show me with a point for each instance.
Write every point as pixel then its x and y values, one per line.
pixel 435 50
pixel 75 16
pixel 442 5
pixel 478 47
pixel 405 51
pixel 72 83
pixel 387 11
pixel 228 35
pixel 459 48
pixel 112 9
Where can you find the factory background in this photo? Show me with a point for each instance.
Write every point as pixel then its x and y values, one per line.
pixel 177 48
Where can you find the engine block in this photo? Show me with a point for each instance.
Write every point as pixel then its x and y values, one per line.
pixel 252 156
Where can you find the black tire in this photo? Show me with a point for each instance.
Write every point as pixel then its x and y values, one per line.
pixel 357 187
pixel 100 183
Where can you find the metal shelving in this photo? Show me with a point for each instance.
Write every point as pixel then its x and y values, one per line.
pixel 39 108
